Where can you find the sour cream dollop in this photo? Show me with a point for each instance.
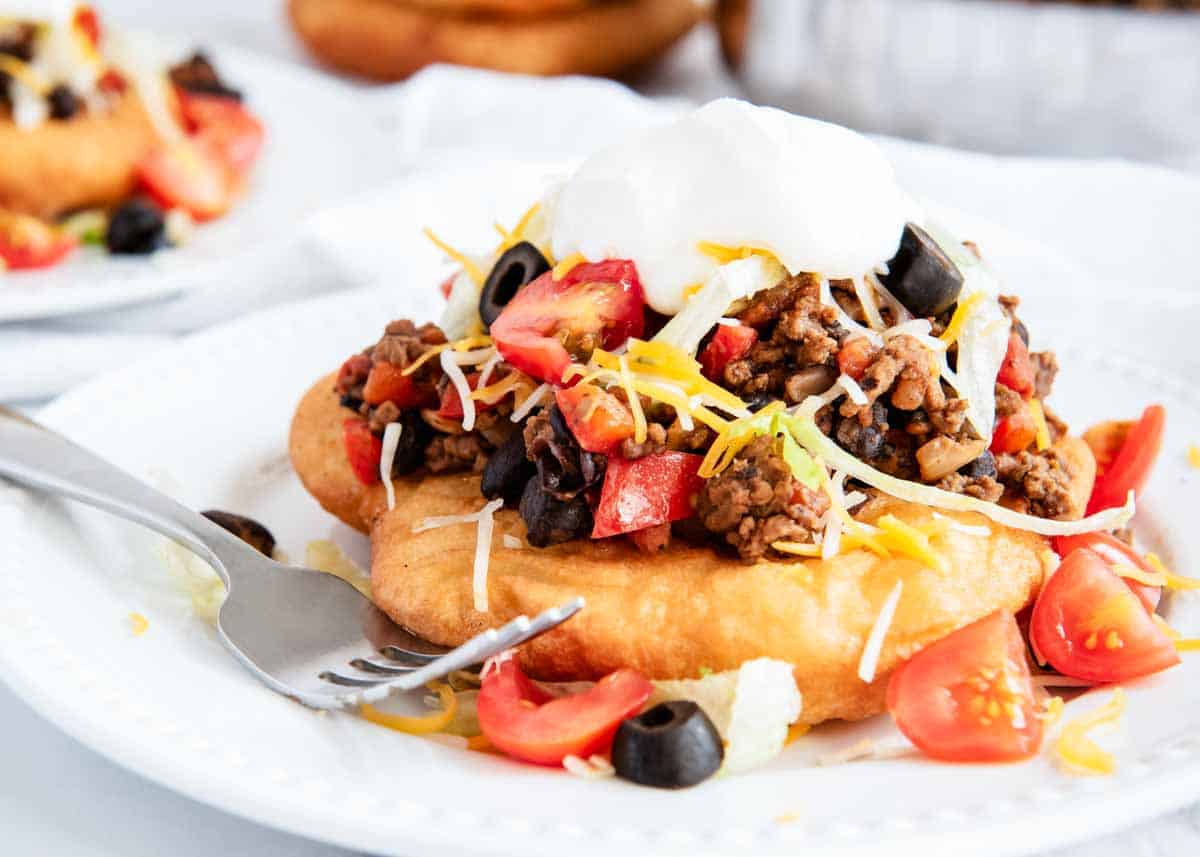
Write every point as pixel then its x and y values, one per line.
pixel 820 197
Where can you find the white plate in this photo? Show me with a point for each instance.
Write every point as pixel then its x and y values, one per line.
pixel 306 163
pixel 212 415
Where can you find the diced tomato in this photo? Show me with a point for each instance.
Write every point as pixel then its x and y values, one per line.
pixel 524 721
pixel 88 23
pixel 388 383
pixel 112 81
pixel 645 492
pixel 451 406
pixel 595 299
pixel 26 242
pixel 854 358
pixel 189 175
pixel 1015 432
pixel 730 342
pixel 447 285
pixel 1016 372
pixel 354 370
pixel 223 126
pixel 1114 552
pixel 363 449
pixel 969 696
pixel 1129 469
pixel 1088 625
pixel 598 419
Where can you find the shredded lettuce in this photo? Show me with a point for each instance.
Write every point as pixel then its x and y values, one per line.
pixel 732 282
pixel 808 435
pixel 983 341
pixel 460 318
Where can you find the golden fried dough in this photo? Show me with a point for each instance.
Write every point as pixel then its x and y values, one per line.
pixel 392 39
pixel 671 615
pixel 90 160
pixel 319 458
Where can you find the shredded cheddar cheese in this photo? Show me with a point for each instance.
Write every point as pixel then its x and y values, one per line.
pixel 138 624
pixel 424 358
pixel 1039 421
pixel 1173 581
pixel 1193 455
pixel 959 320
pixel 23 73
pixel 634 401
pixel 468 265
pixel 1134 573
pixel 1076 751
pixel 907 540
pixel 723 254
pixel 427 725
pixel 567 265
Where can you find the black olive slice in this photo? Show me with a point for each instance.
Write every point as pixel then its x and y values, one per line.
pixel 922 276
pixel 519 265
pixel 672 746
pixel 247 529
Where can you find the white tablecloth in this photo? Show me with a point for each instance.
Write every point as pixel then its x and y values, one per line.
pixel 58 799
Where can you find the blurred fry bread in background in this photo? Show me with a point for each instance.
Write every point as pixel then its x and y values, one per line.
pixel 392 39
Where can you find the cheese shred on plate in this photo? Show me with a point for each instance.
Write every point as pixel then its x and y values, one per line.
pixel 1079 753
pixel 426 725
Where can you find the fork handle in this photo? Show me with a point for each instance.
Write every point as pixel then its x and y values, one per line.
pixel 33 455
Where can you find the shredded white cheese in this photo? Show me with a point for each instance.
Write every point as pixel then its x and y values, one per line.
pixel 867 748
pixel 452 363
pixel 483 553
pixel 845 320
pixel 391 439
pixel 512 542
pixel 853 391
pixel 965 529
pixel 531 401
pixel 869 301
pixel 869 661
pixel 485 374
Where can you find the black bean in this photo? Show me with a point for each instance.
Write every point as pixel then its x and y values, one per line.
pixel 247 529
pixel 672 746
pixel 508 470
pixel 549 520
pixel 415 435
pixel 983 466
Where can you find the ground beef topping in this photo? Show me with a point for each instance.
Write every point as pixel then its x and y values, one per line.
pixel 903 368
pixel 403 343
pixel 448 453
pixel 1038 483
pixel 1045 370
pixel 756 501
pixel 797 333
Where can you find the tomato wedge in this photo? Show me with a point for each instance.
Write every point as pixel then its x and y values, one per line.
pixel 190 175
pixel 969 696
pixel 388 383
pixel 1016 372
pixel 363 449
pixel 1114 552
pixel 598 419
pixel 222 125
pixel 1015 432
pixel 26 242
pixel 88 23
pixel 1130 468
pixel 526 723
pixel 730 342
pixel 549 322
pixel 1088 625
pixel 645 492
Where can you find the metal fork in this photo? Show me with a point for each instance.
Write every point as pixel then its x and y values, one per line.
pixel 303 633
